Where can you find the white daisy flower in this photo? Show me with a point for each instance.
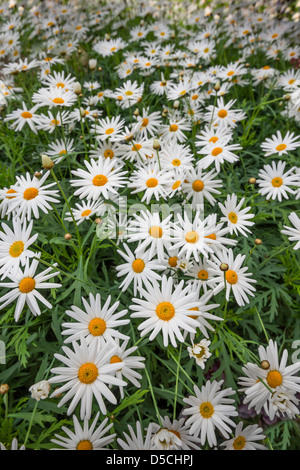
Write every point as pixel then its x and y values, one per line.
pixel 178 428
pixel 96 323
pixel 14 445
pixel 22 117
pixel 54 97
pixel 236 278
pixel 136 441
pixel 85 210
pixel 151 181
pixel 210 409
pixel 236 218
pixel 102 179
pixel 217 153
pixel 274 183
pixel 200 186
pixel 86 374
pixel 30 196
pixel 280 145
pixel 25 286
pixel 246 439
pixel 85 438
pixel 200 351
pixel 108 128
pixel 293 233
pixel 166 310
pixel 14 246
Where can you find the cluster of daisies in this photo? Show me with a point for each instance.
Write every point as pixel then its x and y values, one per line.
pixel 178 243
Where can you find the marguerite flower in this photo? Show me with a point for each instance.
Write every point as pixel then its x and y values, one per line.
pixel 236 218
pixel 280 145
pixel 293 233
pixel 274 183
pixel 246 439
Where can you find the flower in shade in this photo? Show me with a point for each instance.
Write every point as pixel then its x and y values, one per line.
pixel 136 441
pixel 246 439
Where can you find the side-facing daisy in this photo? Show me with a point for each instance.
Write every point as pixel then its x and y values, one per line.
pixel 280 145
pixel 246 439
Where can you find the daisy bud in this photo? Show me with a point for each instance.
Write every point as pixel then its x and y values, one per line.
pixel 258 241
pixel 156 144
pixel 92 64
pixel 265 365
pixel 95 115
pixel 47 163
pixel 68 236
pixel 176 104
pixel 77 88
pixel 287 97
pixel 40 390
pixel 217 86
pixel 98 220
pixel 252 180
pixel 82 112
pixel 136 112
pixel 4 388
pixel 107 37
pixel 37 174
pixel 79 51
pixel 100 69
pixel 224 267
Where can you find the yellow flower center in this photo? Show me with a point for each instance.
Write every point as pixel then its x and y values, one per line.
pixel 229 74
pixel 291 81
pixel 231 276
pixel 128 93
pixel 136 147
pixel 194 97
pixel 206 410
pixel 156 232
pixel 274 378
pixel 266 67
pixel 88 373
pixel 100 180
pixel 16 249
pixel 196 309
pixel 60 85
pixel 222 113
pixel 213 139
pixel 108 153
pixel 152 182
pixel 113 49
pixel 176 184
pixel 27 285
pixel 233 217
pixel 55 122
pixel 10 191
pixel 26 115
pixel 63 152
pixel 239 443
pixel 145 122
pixel 198 186
pixel 115 359
pixel 192 237
pixel 183 92
pixel 97 326
pixel 173 261
pixel 212 236
pixel 109 131
pixel 30 193
pixel 84 445
pixel 203 274
pixel 206 50
pixel 173 128
pixel 86 213
pixel 165 311
pixel 216 151
pixel 281 147
pixel 277 182
pixel 58 101
pixel 176 162
pixel 138 265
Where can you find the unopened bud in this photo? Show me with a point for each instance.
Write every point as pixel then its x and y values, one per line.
pixel 68 236
pixel 47 163
pixel 252 180
pixel 92 64
pixel 217 86
pixel 224 267
pixel 257 241
pixel 136 112
pixel 100 69
pixel 4 388
pixel 287 97
pixel 176 104
pixel 77 88
pixel 265 365
pixel 98 220
pixel 95 115
pixel 156 144
pixel 37 174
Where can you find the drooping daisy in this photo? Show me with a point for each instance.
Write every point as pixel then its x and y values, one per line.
pixel 86 374
pixel 180 430
pixel 127 371
pixel 59 148
pixel 280 145
pixel 236 277
pixel 30 196
pixel 246 439
pixel 136 441
pixel 25 287
pixel 209 409
pixel 166 309
pixel 293 233
pixel 236 218
pixel 14 246
pixel 138 268
pixel 102 179
pixel 282 404
pixel 97 323
pixel 164 439
pixel 200 351
pixel 86 437
pixel 274 183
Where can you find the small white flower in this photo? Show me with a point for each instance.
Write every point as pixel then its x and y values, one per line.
pixel 40 390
